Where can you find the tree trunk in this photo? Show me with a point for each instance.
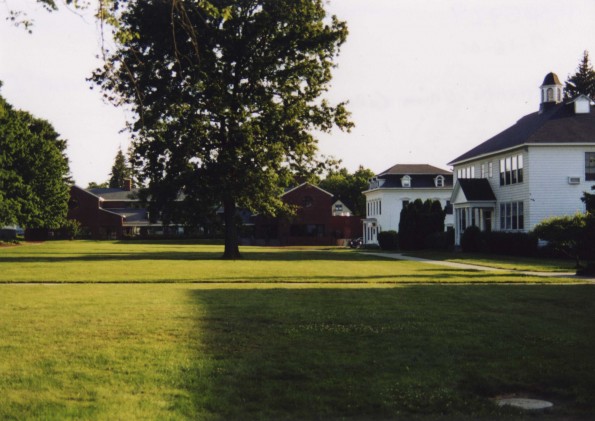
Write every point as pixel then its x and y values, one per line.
pixel 232 249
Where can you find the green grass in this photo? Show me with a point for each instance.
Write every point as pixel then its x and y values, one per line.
pixel 281 334
pixel 501 262
pixel 216 351
pixel 89 261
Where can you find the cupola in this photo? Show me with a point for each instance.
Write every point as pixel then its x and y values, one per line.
pixel 551 91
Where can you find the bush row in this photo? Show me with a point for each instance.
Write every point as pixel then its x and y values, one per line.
pixel 389 240
pixel 508 243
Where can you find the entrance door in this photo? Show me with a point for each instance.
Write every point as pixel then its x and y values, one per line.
pixel 487 220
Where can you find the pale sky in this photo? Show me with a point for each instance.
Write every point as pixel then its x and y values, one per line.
pixel 426 79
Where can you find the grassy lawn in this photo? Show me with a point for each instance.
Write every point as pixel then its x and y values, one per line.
pixel 283 344
pixel 91 261
pixel 500 262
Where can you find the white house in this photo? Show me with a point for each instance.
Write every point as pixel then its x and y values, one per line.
pixel 392 189
pixel 535 169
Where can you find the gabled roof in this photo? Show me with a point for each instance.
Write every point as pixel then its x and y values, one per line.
pixel 109 194
pixel 304 185
pixel 476 189
pixel 414 169
pixel 555 125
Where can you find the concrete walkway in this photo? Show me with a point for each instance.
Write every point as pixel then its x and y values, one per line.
pixel 465 266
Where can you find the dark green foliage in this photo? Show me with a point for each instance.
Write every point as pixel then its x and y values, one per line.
pixel 510 243
pixel 572 235
pixel 583 81
pixel 388 240
pixel 34 173
pixel 94 185
pixel 70 229
pixel 419 222
pixel 120 172
pixel 472 240
pixel 589 201
pixel 227 95
pixel 349 187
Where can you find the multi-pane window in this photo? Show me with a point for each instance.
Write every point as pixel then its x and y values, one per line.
pixel 375 207
pixel 511 170
pixel 466 172
pixel 590 166
pixel 512 216
pixel 490 170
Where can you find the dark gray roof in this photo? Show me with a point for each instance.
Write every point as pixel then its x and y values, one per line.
pixel 115 194
pixel 419 181
pixel 477 189
pixel 413 169
pixel 551 79
pixel 557 124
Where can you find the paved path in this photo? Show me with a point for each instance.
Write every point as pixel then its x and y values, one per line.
pixel 400 256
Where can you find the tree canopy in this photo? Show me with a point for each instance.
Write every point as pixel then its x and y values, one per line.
pixel 583 81
pixel 349 187
pixel 34 172
pixel 226 104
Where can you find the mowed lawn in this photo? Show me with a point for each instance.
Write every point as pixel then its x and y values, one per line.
pixel 288 344
pixel 96 261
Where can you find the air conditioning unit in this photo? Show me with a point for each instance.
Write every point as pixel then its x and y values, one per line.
pixel 574 180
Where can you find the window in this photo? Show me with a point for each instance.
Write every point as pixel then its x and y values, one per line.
pixel 483 171
pixel 466 172
pixel 439 181
pixel 511 170
pixel 512 216
pixel 308 201
pixel 339 207
pixel 375 207
pixel 490 170
pixel 406 181
pixel 590 166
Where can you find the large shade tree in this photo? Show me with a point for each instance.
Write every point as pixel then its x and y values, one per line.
pixel 34 172
pixel 227 97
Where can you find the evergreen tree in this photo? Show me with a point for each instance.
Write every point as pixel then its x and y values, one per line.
pixel 583 81
pixel 419 221
pixel 120 171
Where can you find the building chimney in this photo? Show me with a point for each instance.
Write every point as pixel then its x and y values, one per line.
pixel 127 184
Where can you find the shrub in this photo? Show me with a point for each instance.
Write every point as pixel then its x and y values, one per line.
pixel 471 240
pixel 511 243
pixel 388 240
pixel 418 221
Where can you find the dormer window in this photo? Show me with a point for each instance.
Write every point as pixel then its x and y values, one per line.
pixel 406 181
pixel 439 181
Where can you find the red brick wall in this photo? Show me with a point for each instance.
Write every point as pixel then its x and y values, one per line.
pixel 84 207
pixel 314 212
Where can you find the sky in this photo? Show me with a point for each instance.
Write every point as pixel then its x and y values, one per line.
pixel 426 80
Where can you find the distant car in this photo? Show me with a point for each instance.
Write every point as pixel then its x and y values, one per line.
pixel 356 242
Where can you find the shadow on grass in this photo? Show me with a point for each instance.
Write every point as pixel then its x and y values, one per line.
pixel 417 351
pixel 190 255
